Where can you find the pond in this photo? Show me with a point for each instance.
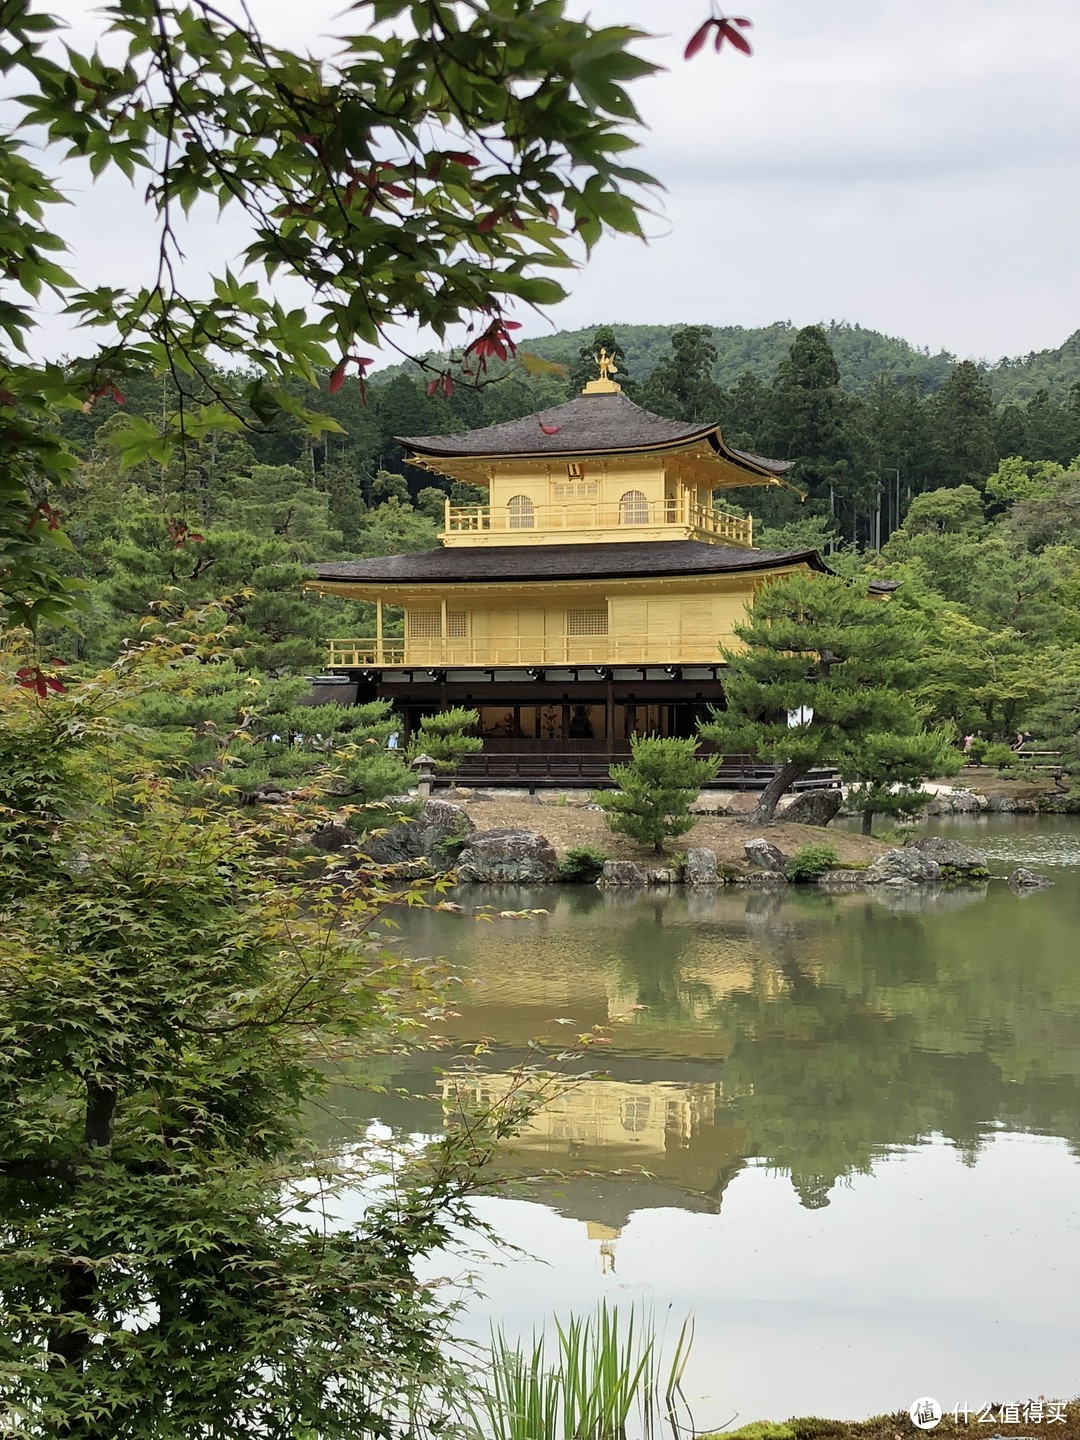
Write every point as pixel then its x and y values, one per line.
pixel 840 1131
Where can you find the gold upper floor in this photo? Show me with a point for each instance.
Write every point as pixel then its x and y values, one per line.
pixel 578 515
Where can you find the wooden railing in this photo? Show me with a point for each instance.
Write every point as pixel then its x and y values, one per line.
pixel 529 650
pixel 585 516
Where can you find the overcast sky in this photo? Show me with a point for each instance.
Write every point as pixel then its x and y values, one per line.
pixel 909 165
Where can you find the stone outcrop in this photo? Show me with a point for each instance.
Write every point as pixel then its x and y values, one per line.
pixel 957 802
pixel 436 828
pixel 701 866
pixel 841 879
pixel 617 873
pixel 764 855
pixel 902 867
pixel 333 838
pixel 813 807
pixel 956 860
pixel 1023 879
pixel 507 857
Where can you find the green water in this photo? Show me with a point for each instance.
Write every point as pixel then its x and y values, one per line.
pixel 842 1131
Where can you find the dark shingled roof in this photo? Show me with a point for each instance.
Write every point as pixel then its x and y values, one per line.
pixel 606 424
pixel 614 561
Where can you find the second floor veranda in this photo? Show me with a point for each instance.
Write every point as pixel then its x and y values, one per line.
pixel 633 516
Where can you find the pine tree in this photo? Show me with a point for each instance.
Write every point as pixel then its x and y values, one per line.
pixel 655 790
pixel 818 650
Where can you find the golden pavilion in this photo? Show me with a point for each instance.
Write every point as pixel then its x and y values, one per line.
pixel 584 602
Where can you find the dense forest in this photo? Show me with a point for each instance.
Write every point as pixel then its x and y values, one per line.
pixel 972 501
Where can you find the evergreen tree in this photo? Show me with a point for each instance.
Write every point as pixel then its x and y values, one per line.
pixel 885 770
pixel 962 429
pixel 813 423
pixel 446 738
pixel 896 426
pixel 655 790
pixel 584 367
pixel 1049 430
pixel 818 650
pixel 681 384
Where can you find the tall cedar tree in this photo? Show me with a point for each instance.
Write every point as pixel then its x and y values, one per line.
pixel 962 428
pixel 813 422
pixel 681 384
pixel 814 643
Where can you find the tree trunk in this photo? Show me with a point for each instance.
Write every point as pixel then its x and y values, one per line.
pixel 868 822
pixel 785 777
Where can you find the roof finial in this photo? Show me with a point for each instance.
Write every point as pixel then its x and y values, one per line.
pixel 604 385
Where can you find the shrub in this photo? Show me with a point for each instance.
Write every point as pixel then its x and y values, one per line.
pixel 444 737
pixel 810 862
pixel 976 751
pixel 372 773
pixel 581 865
pixel 999 755
pixel 656 790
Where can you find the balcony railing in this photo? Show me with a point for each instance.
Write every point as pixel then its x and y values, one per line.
pixel 535 651
pixel 523 522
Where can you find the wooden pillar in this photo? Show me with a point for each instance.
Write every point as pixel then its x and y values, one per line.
pixel 442 630
pixel 609 714
pixel 378 633
pixel 565 718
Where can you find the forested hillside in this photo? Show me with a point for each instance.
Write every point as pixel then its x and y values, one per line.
pixel 972 502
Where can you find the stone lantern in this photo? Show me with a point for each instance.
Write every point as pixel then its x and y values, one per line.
pixel 425 767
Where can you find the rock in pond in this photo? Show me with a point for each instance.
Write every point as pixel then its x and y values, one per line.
pixel 902 867
pixel 436 826
pixel 701 866
pixel 813 807
pixel 507 857
pixel 955 860
pixel 766 856
pixel 621 872
pixel 1023 879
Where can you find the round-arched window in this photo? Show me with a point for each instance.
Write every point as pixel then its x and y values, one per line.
pixel 522 515
pixel 633 509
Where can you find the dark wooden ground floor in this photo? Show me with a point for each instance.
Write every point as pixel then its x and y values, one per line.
pixel 566 727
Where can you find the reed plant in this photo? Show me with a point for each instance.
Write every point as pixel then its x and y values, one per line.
pixel 607 1371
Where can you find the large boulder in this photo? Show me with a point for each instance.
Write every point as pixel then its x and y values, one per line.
pixel 701 866
pixel 902 867
pixel 617 873
pixel 433 833
pixel 508 857
pixel 813 807
pixel 766 856
pixel 955 860
pixel 1001 804
pixel 1023 879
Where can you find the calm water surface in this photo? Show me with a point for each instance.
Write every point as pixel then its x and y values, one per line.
pixel 842 1131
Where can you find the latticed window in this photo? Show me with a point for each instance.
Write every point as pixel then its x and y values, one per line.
pixel 522 515
pixel 635 1114
pixel 633 509
pixel 574 489
pixel 586 622
pixel 424 625
pixel 457 625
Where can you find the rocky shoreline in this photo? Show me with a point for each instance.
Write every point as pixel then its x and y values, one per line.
pixel 440 838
